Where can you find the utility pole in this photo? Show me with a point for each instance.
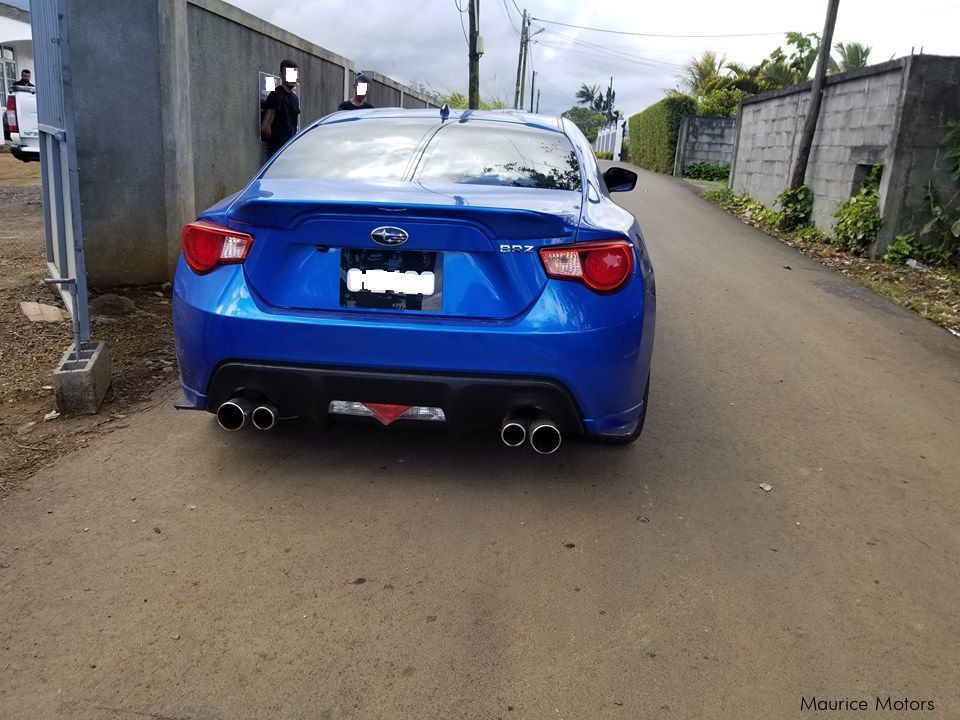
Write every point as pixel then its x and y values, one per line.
pixel 538 101
pixel 799 173
pixel 523 43
pixel 610 98
pixel 473 94
pixel 533 86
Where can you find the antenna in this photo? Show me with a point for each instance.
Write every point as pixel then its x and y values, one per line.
pixel 444 112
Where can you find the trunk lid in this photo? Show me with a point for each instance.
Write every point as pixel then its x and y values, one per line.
pixel 479 242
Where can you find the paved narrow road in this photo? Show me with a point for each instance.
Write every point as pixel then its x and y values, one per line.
pixel 174 571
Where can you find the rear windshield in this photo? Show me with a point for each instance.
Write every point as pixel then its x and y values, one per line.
pixel 476 153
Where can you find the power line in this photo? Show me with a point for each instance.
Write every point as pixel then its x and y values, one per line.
pixel 657 35
pixel 462 28
pixel 609 60
pixel 506 11
pixel 621 53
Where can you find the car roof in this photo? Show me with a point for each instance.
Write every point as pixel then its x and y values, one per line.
pixel 516 117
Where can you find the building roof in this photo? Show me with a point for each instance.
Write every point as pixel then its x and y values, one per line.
pixel 15 10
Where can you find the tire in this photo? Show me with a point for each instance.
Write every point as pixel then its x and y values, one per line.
pixel 624 439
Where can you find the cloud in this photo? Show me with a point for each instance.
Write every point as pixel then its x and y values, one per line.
pixel 422 40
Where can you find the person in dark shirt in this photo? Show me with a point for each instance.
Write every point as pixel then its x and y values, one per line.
pixel 24 80
pixel 281 111
pixel 359 99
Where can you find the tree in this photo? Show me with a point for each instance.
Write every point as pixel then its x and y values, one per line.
pixel 850 56
pixel 721 102
pixel 588 94
pixel 587 119
pixel 700 72
pixel 606 105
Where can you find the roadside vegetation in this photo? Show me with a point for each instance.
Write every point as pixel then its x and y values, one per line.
pixel 920 270
pixel 712 86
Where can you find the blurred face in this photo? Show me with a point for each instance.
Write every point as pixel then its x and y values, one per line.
pixel 361 89
pixel 291 76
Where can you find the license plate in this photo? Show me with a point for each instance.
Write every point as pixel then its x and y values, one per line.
pixel 391 279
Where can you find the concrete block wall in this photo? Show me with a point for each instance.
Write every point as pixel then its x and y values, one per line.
pixel 226 57
pixel 167 106
pixel 931 98
pixel 857 124
pixel 387 92
pixel 894 113
pixel 704 139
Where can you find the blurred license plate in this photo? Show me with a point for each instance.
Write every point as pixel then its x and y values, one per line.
pixel 390 279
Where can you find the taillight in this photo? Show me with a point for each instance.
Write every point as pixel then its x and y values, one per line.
pixel 12 114
pixel 207 245
pixel 603 265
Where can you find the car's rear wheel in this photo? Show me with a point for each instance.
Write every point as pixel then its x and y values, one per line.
pixel 633 435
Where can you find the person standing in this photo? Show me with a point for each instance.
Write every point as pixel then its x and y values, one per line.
pixel 359 99
pixel 24 81
pixel 281 116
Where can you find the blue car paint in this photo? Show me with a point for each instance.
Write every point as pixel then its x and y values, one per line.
pixel 598 346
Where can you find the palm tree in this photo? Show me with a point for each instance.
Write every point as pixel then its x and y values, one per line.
pixel 851 56
pixel 701 71
pixel 588 94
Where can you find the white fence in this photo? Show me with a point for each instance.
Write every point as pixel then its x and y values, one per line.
pixel 610 139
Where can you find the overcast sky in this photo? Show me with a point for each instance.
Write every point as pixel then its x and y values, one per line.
pixel 423 40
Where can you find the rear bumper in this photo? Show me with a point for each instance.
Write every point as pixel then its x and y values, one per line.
pixel 595 349
pixel 470 402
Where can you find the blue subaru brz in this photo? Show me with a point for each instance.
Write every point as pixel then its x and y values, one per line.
pixel 466 268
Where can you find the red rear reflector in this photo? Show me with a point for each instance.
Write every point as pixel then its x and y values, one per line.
pixel 386 413
pixel 207 245
pixel 604 265
pixel 12 114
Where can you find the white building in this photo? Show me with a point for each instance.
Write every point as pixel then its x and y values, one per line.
pixel 16 42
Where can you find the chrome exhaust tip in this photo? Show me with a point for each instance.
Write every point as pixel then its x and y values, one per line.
pixel 513 432
pixel 545 438
pixel 233 414
pixel 264 417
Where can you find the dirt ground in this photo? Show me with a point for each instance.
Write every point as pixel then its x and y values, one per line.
pixel 139 343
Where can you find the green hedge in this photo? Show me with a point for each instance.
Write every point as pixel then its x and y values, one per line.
pixel 653 132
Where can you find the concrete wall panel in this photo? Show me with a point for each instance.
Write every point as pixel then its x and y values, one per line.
pixel 225 61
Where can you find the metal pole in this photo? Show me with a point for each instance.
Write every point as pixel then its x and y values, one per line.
pixel 799 173
pixel 533 86
pixel 538 101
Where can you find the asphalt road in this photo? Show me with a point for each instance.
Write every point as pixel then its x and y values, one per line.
pixel 173 571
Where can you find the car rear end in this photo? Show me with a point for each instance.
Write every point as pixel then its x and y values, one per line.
pixel 21 117
pixel 408 269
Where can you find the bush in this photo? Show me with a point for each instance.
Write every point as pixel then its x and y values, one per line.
pixel 722 102
pixel 706 171
pixel 859 219
pixel 587 119
pixel 653 132
pixel 796 206
pixel 601 155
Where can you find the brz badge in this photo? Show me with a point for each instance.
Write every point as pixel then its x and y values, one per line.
pixel 516 248
pixel 389 236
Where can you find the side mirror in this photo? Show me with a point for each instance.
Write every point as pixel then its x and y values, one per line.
pixel 620 179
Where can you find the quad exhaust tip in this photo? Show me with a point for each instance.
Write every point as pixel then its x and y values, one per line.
pixel 545 438
pixel 264 417
pixel 513 432
pixel 233 414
